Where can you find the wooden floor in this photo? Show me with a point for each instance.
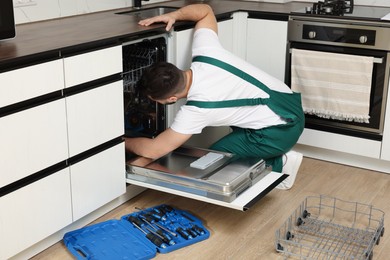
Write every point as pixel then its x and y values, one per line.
pixel 251 234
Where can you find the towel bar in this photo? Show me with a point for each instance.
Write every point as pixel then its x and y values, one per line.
pixel 376 60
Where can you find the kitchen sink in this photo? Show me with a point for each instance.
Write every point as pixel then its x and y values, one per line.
pixel 149 12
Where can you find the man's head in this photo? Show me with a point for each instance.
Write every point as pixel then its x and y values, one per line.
pixel 161 82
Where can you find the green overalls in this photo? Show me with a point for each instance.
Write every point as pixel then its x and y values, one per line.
pixel 269 143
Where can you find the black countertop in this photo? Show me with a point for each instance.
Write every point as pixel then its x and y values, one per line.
pixel 55 38
pixel 51 39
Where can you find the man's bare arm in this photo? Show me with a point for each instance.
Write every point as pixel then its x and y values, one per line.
pixel 164 143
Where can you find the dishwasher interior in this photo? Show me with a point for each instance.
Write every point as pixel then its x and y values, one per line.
pixel 143 117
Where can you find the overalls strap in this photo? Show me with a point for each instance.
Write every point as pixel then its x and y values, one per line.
pixel 228 103
pixel 286 105
pixel 234 102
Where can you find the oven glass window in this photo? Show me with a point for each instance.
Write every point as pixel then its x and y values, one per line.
pixel 372 129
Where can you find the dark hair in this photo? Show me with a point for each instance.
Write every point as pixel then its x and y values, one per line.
pixel 161 80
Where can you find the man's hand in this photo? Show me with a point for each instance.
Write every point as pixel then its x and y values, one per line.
pixel 202 14
pixel 165 18
pixel 164 143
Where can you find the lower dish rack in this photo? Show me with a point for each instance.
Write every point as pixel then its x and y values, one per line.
pixel 324 227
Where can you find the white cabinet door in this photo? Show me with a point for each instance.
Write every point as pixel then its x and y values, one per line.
pixel 182 42
pixel 32 140
pixel 266 46
pixel 97 180
pixel 225 34
pixel 30 82
pixel 34 212
pixel 95 117
pixel 92 65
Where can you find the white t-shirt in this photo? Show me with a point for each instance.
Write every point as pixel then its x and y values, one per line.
pixel 210 83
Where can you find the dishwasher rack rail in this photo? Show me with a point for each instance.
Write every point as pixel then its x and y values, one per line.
pixel 324 227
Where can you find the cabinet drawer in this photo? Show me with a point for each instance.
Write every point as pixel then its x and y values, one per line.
pixel 97 180
pixel 92 65
pixel 33 139
pixel 34 212
pixel 95 117
pixel 30 82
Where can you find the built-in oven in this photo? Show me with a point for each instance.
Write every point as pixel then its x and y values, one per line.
pixel 7 21
pixel 318 39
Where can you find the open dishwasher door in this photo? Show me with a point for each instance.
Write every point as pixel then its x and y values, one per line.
pixel 211 176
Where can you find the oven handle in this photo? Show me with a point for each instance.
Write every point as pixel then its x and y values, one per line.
pixel 376 60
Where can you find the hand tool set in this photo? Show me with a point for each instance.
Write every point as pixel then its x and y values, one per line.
pixel 139 235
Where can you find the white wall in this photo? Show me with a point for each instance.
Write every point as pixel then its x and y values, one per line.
pixel 49 9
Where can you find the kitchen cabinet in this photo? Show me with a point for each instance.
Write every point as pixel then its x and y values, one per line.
pixel 91 111
pixel 27 131
pixel 35 199
pixel 93 65
pixel 29 82
pixel 34 212
pixel 266 44
pixel 62 150
pixel 27 139
pixel 92 108
pixel 95 117
pixel 97 180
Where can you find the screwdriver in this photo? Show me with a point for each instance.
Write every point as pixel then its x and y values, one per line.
pixel 162 236
pixel 183 233
pixel 150 218
pixel 158 214
pixel 191 232
pixel 198 229
pixel 153 238
pixel 166 230
pixel 135 220
pixel 166 209
pixel 158 232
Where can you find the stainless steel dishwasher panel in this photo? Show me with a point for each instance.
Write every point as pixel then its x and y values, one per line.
pixel 224 180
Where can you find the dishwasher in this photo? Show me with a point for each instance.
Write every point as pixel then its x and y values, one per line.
pixel 212 176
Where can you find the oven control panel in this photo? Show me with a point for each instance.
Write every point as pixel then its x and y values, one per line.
pixel 336 34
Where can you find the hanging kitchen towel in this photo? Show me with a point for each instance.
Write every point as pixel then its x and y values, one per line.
pixel 333 85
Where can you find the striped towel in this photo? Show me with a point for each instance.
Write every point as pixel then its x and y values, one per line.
pixel 332 85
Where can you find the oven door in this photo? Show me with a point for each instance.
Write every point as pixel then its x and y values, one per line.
pixel 374 128
pixel 7 22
